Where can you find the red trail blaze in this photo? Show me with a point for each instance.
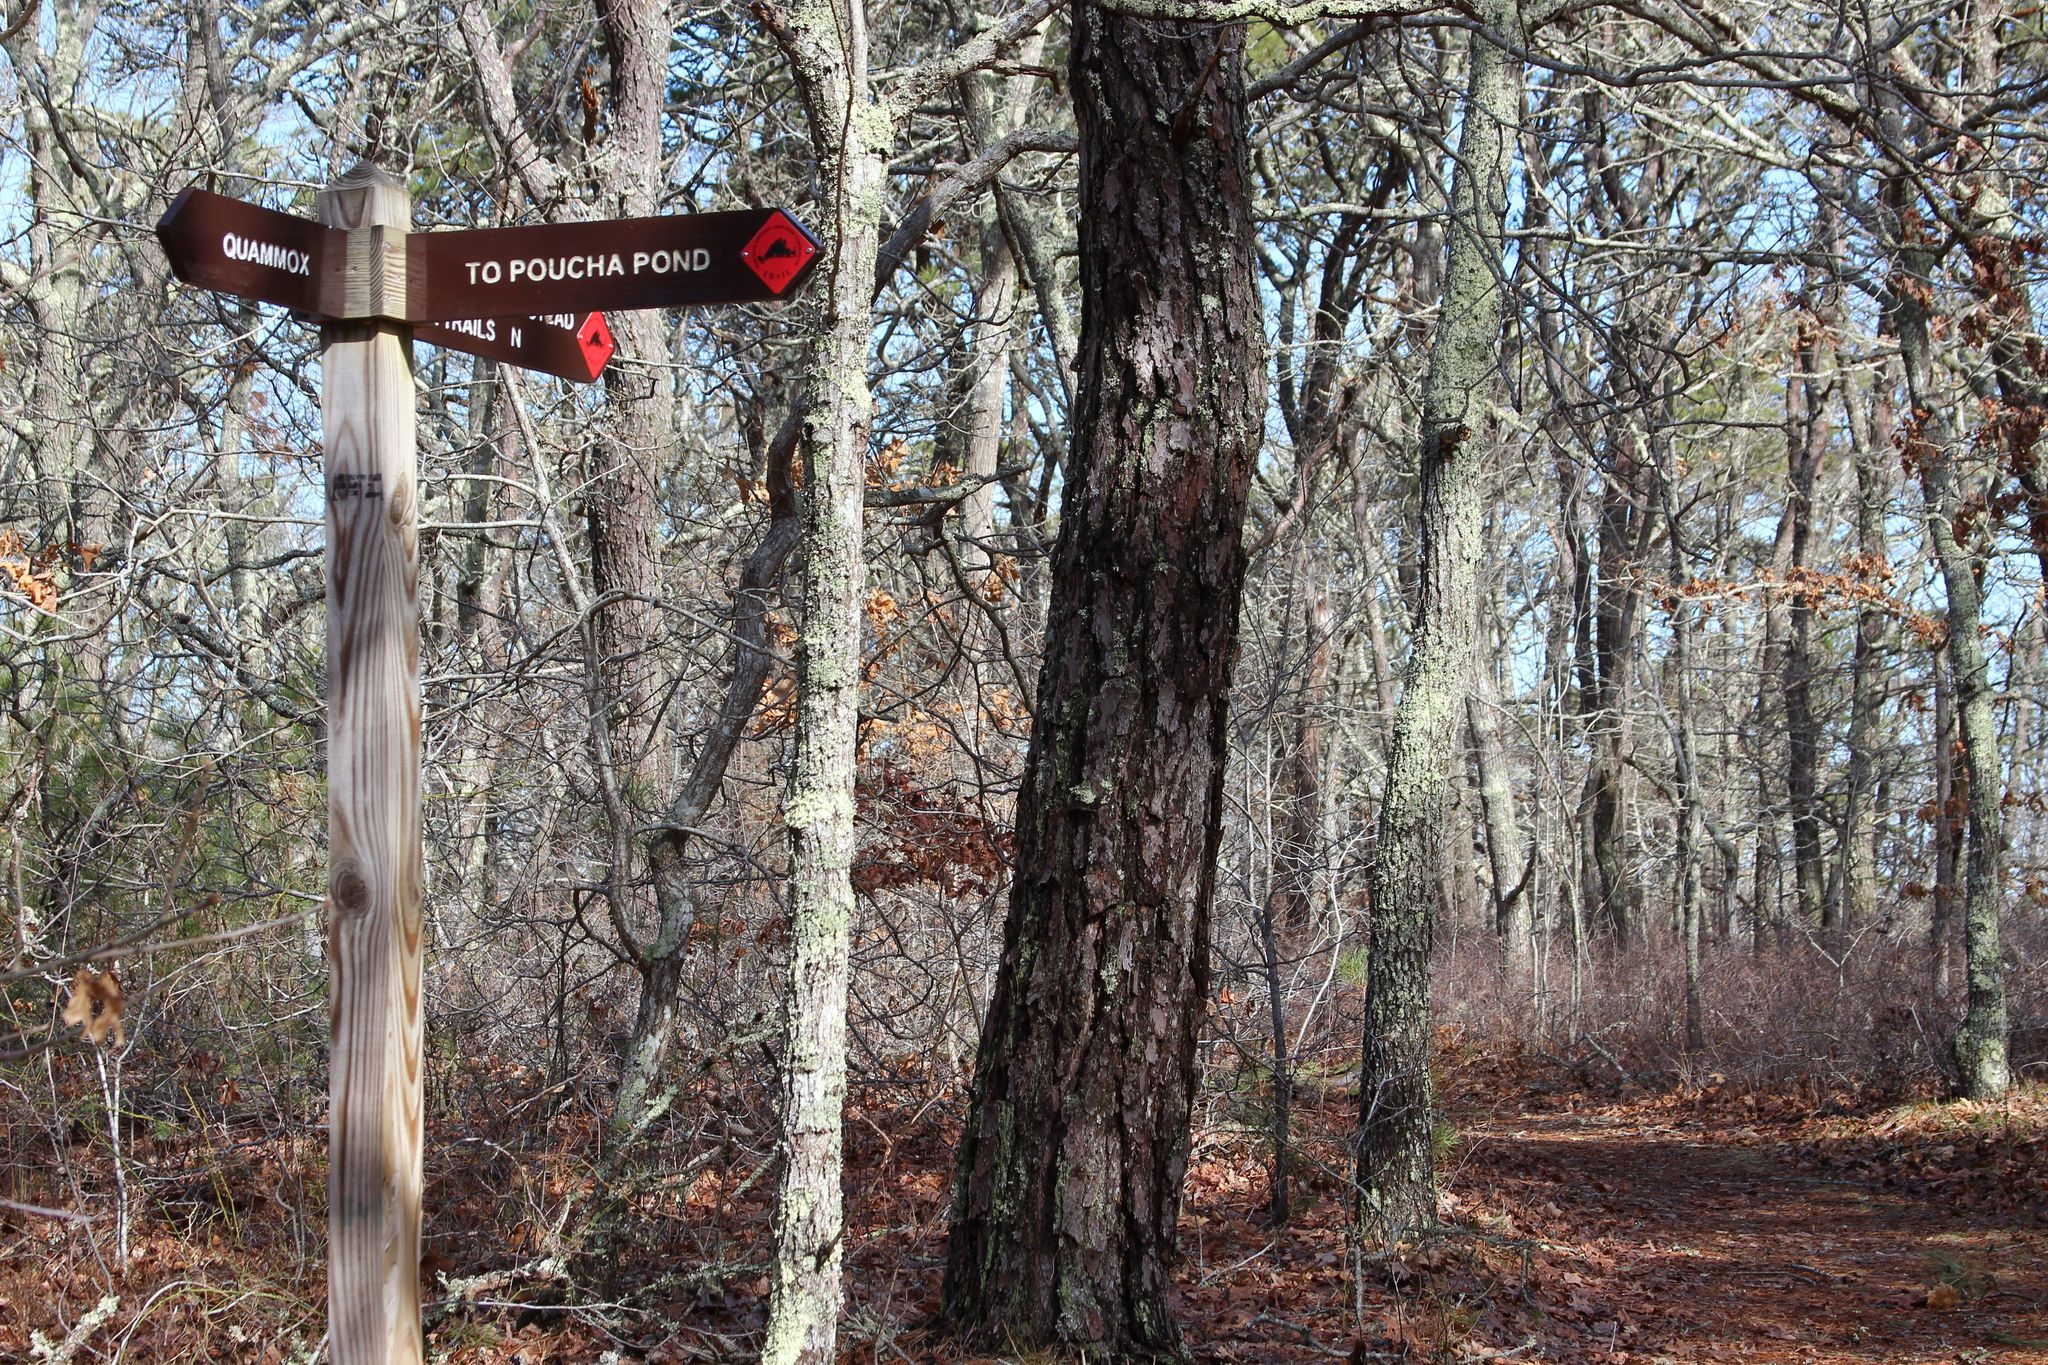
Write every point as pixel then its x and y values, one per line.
pixel 778 251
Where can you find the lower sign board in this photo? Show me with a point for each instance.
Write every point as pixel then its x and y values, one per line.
pixel 569 345
pixel 220 243
pixel 679 261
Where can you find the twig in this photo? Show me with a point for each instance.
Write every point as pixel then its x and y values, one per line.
pixel 38 1211
pixel 128 947
pixel 470 1289
pixel 42 1348
pixel 1308 1336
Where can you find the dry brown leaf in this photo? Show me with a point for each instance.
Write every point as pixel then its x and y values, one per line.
pixel 95 1006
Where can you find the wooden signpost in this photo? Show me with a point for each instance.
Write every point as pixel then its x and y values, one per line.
pixel 528 296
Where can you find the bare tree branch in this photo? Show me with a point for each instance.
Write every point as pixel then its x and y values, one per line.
pixel 963 180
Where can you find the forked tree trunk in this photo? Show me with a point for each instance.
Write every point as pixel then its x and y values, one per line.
pixel 1396 1164
pixel 1071 1162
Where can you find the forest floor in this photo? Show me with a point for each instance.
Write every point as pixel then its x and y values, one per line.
pixel 1701 1224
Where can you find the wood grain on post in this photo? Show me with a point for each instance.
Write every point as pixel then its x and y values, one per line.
pixel 373 794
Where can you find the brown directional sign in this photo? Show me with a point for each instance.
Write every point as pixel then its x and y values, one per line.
pixel 680 261
pixel 524 295
pixel 221 243
pixel 571 345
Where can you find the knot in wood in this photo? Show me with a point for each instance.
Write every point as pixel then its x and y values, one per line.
pixel 350 892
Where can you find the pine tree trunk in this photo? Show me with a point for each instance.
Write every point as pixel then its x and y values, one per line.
pixel 1070 1166
pixel 1396 1163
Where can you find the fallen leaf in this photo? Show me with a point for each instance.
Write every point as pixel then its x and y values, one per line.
pixel 95 1006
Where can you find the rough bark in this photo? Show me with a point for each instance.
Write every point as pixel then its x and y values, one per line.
pixel 1396 1164
pixel 622 511
pixel 827 43
pixel 1071 1162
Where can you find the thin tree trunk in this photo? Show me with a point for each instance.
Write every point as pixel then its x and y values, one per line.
pixel 661 960
pixel 1280 1201
pixel 1505 850
pixel 1808 395
pixel 1856 866
pixel 1948 829
pixel 1692 812
pixel 1301 843
pixel 828 48
pixel 1980 1044
pixel 1396 1161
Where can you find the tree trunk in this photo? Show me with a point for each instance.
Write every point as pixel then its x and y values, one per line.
pixel 1948 828
pixel 1506 852
pixel 1300 853
pixel 1396 1163
pixel 1808 394
pixel 1856 891
pixel 1980 1044
pixel 622 510
pixel 828 48
pixel 1685 759
pixel 667 848
pixel 1070 1166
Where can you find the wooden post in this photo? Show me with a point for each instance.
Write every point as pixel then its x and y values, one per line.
pixel 373 787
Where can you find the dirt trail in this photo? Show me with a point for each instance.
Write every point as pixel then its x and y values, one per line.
pixel 1680 1247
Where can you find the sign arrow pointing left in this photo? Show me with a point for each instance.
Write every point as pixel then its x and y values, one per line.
pixel 257 253
pixel 220 243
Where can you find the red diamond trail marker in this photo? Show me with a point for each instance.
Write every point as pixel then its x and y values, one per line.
pixel 779 251
pixel 561 344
